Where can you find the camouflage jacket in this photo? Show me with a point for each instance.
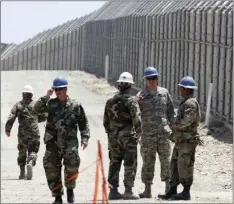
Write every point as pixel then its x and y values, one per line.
pixel 157 111
pixel 27 118
pixel 62 121
pixel 122 115
pixel 187 119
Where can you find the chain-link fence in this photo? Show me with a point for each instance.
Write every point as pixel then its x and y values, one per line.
pixel 179 37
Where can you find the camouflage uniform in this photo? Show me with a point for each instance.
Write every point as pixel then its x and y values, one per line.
pixel 156 109
pixel 122 121
pixel 61 140
pixel 186 139
pixel 28 131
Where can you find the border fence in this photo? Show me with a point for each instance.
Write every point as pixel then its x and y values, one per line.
pixel 179 37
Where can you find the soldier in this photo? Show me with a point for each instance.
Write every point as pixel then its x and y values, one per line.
pixel 186 138
pixel 28 131
pixel 122 123
pixel 64 115
pixel 157 112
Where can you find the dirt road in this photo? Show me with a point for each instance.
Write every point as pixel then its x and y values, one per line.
pixel 213 184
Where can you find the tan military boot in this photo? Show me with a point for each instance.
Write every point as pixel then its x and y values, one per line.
pixel 29 170
pixel 129 195
pixel 22 172
pixel 147 192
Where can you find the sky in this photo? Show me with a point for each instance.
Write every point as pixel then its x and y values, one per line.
pixel 25 19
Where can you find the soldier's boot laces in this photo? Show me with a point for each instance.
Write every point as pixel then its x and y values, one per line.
pixel 184 195
pixel 147 192
pixel 58 200
pixel 29 170
pixel 172 191
pixel 22 172
pixel 114 194
pixel 129 195
pixel 70 196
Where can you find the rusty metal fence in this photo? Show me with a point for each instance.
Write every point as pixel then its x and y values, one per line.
pixel 179 37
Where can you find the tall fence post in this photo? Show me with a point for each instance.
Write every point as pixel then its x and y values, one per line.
pixel 106 67
pixel 208 105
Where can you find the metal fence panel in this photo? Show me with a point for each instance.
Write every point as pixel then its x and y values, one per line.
pixel 39 59
pixel 29 58
pixel 178 37
pixel 56 53
pixel 47 55
pixel 60 58
pixel 2 64
pixel 15 62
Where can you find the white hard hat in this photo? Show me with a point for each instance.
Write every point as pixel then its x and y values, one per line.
pixel 28 89
pixel 126 77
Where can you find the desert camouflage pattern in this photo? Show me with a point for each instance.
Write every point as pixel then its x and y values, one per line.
pixel 121 122
pixel 151 145
pixel 157 112
pixel 61 140
pixel 28 130
pixel 186 139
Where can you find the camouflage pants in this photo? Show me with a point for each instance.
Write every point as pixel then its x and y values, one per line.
pixel 28 148
pixel 182 164
pixel 149 146
pixel 52 162
pixel 122 148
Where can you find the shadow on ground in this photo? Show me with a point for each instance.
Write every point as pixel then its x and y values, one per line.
pixel 219 131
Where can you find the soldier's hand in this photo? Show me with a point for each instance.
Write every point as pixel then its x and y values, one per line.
pixel 84 145
pixel 8 134
pixel 50 92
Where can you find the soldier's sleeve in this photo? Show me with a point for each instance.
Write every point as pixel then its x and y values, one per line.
pixel 170 109
pixel 83 124
pixel 41 106
pixel 11 118
pixel 137 99
pixel 42 117
pixel 135 115
pixel 190 110
pixel 106 121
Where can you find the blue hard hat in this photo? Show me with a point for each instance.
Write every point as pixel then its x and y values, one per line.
pixel 150 71
pixel 60 82
pixel 187 82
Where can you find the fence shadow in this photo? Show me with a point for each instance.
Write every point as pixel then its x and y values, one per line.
pixel 220 131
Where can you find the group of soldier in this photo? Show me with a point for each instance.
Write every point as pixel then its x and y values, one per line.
pixel 147 119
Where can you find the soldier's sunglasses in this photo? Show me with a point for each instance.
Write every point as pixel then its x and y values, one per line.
pixel 58 89
pixel 151 78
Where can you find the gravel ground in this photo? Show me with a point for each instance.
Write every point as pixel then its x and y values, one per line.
pixel 213 174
